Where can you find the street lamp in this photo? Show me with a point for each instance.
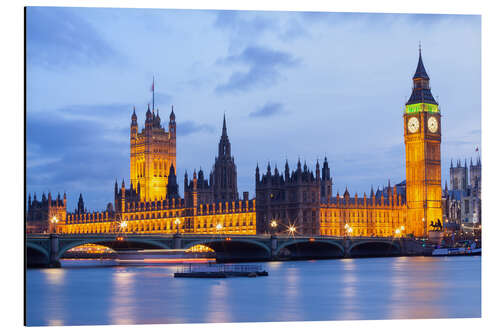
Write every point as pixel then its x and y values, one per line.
pixel 347 229
pixel 274 225
pixel 218 227
pixel 123 224
pixel 292 229
pixel 177 223
pixel 54 222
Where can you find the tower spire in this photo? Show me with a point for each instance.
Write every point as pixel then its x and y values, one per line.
pixel 421 89
pixel 153 90
pixel 420 73
pixel 224 128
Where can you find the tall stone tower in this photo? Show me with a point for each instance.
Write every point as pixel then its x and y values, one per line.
pixel 422 131
pixel 475 173
pixel 458 176
pixel 152 153
pixel 223 177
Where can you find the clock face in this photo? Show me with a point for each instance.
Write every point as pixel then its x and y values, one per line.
pixel 413 124
pixel 432 123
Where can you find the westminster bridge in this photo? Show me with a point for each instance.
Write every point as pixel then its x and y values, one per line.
pixel 45 250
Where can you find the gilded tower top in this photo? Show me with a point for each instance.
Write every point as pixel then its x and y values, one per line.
pixel 421 98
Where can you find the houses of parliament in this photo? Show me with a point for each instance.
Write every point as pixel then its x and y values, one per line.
pixel 300 198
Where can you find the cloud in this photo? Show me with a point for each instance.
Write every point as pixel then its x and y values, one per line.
pixel 77 148
pixel 293 30
pixel 190 127
pixel 243 26
pixel 263 68
pixel 268 110
pixel 163 98
pixel 58 38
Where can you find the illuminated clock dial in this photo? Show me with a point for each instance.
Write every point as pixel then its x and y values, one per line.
pixel 432 123
pixel 413 124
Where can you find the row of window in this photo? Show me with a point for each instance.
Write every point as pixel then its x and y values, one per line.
pixel 355 214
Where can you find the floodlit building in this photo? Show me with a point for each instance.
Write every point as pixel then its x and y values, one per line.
pixel 299 200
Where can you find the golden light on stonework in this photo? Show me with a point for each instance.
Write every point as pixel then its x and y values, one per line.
pixel 200 248
pixel 402 228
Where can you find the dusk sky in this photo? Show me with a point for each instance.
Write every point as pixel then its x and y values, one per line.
pixel 291 84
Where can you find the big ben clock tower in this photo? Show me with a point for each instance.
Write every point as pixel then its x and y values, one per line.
pixel 422 128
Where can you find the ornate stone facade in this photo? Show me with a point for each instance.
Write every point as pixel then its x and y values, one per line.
pixel 152 154
pixel 199 211
pixel 462 202
pixel 44 215
pixel 298 201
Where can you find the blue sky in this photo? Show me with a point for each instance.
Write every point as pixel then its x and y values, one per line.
pixel 292 84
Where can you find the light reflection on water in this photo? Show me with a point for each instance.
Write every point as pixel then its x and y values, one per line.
pixel 122 308
pixel 376 288
pixel 349 289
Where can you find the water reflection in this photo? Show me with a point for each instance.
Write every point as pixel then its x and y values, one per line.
pixel 54 277
pixel 375 288
pixel 349 289
pixel 291 292
pixel 218 305
pixel 122 309
pixel 416 291
pixel 54 310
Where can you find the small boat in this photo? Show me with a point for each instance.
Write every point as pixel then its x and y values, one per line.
pixel 219 271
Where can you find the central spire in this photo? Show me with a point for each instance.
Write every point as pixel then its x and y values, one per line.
pixel 224 144
pixel 224 128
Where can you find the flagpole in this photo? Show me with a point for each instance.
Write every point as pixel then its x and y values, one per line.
pixel 153 88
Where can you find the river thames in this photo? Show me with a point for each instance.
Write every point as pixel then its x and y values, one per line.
pixel 92 292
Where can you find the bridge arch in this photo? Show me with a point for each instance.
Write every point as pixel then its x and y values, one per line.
pixel 374 248
pixel 112 244
pixel 39 249
pixel 234 249
pixel 306 248
pixel 36 255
